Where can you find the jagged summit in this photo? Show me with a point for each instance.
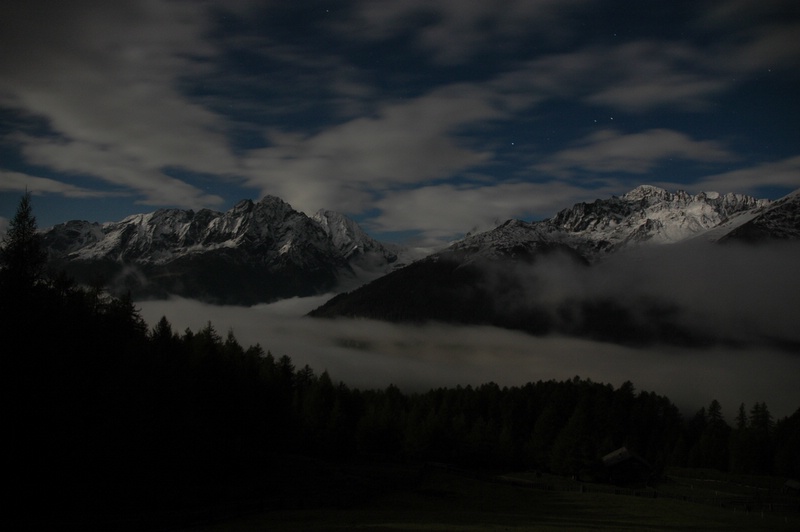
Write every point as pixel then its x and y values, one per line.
pixel 346 235
pixel 778 221
pixel 254 252
pixel 646 192
pixel 266 250
pixel 646 214
pixel 549 276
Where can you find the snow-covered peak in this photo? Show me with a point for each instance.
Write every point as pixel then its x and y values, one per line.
pixel 243 207
pixel 645 215
pixel 274 203
pixel 345 234
pixel 268 233
pixel 652 214
pixel 779 220
pixel 353 243
pixel 645 192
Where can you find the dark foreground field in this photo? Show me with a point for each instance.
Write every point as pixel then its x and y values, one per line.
pixel 439 499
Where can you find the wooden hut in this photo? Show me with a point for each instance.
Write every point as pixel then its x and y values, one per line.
pixel 625 467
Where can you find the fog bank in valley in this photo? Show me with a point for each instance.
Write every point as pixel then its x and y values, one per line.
pixel 370 354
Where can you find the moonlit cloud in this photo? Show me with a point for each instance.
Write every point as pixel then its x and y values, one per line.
pixel 116 114
pixel 744 297
pixel 126 171
pixel 365 107
pixel 474 207
pixel 18 182
pixel 370 354
pixel 785 173
pixel 610 151
pixel 404 143
pixel 632 77
pixel 648 74
pixel 452 31
pixel 755 36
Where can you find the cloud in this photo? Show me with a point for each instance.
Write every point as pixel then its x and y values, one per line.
pixel 634 77
pixel 471 207
pixel 126 171
pixel 403 143
pixel 754 36
pixel 20 182
pixel 372 354
pixel 647 74
pixel 138 97
pixel 453 31
pixel 610 151
pixel 783 173
pixel 732 292
pixel 744 295
pixel 106 80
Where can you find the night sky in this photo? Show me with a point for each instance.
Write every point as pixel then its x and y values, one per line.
pixel 421 119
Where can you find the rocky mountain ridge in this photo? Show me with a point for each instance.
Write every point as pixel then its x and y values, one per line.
pixel 254 252
pixel 264 251
pixel 645 215
pixel 555 276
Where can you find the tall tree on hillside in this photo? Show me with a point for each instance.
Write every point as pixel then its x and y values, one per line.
pixel 22 258
pixel 762 427
pixel 711 450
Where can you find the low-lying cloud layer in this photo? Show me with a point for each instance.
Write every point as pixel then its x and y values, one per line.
pixel 750 294
pixel 731 293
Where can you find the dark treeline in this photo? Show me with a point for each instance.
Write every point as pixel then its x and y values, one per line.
pixel 109 418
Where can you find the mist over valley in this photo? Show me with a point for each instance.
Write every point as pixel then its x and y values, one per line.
pixel 674 292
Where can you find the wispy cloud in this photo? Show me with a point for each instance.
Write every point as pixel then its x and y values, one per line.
pixel 142 98
pixel 131 173
pixel 754 36
pixel 117 114
pixel 20 182
pixel 473 208
pixel 634 77
pixel 453 31
pixel 404 143
pixel 610 151
pixel 784 173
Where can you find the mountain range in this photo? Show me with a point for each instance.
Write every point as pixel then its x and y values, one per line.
pixel 255 252
pixel 265 251
pixel 543 277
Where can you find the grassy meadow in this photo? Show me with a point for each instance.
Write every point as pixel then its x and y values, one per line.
pixel 440 499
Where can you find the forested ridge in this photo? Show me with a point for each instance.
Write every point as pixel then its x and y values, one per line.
pixel 111 418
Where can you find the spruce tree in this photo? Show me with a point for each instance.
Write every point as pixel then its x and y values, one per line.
pixel 22 258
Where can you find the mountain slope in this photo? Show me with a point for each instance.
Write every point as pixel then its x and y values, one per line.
pixel 778 221
pixel 645 215
pixel 255 252
pixel 528 276
pixel 454 286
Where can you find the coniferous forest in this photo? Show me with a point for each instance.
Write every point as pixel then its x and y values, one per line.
pixel 111 418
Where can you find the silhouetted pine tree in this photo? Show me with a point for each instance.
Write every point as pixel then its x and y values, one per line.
pixel 787 446
pixel 22 258
pixel 711 448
